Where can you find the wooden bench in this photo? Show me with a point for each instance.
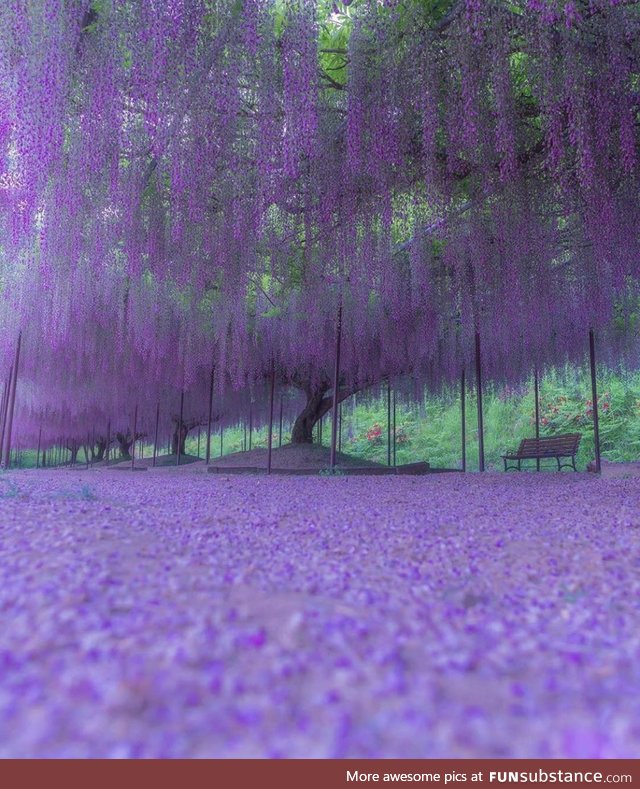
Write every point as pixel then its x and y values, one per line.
pixel 558 447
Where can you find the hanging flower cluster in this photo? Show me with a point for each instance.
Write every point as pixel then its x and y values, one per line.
pixel 183 185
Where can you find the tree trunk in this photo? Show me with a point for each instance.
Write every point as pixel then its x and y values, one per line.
pixel 73 448
pixel 125 441
pixel 316 407
pixel 124 445
pixel 98 455
pixel 187 426
pixel 178 439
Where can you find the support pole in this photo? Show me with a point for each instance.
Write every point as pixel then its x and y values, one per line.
pixel 207 456
pixel 180 428
pixel 270 438
pixel 336 387
pixel 250 424
pixel 221 438
pixel 155 435
pixel 463 419
pixel 12 402
pixel 536 394
pixel 198 452
pixel 340 428
pixel 280 428
pixel 394 428
pixel 594 395
pixel 38 449
pixel 4 409
pixel 133 443
pixel 388 422
pixel 479 393
pixel 108 441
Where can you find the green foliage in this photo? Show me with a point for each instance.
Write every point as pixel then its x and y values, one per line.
pixel 433 431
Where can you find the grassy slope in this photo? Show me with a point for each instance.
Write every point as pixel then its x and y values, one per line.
pixel 431 430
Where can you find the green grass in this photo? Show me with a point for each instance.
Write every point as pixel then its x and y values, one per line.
pixel 431 430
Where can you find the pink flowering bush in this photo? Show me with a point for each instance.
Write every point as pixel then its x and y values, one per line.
pixel 374 435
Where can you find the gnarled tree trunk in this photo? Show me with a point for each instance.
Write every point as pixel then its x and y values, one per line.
pixel 124 443
pixel 178 438
pixel 181 431
pixel 97 453
pixel 318 404
pixel 73 447
pixel 315 408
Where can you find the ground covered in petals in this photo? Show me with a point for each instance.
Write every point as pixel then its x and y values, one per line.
pixel 165 614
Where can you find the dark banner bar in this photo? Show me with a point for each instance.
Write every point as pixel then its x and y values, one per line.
pixel 314 773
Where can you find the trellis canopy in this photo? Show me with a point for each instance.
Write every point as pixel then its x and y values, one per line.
pixel 186 183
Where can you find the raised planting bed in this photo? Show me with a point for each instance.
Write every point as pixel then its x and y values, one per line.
pixel 409 468
pixel 235 470
pixel 414 468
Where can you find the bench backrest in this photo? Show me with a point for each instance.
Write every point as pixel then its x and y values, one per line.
pixel 564 444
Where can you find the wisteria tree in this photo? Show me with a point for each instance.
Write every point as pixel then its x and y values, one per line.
pixel 192 185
